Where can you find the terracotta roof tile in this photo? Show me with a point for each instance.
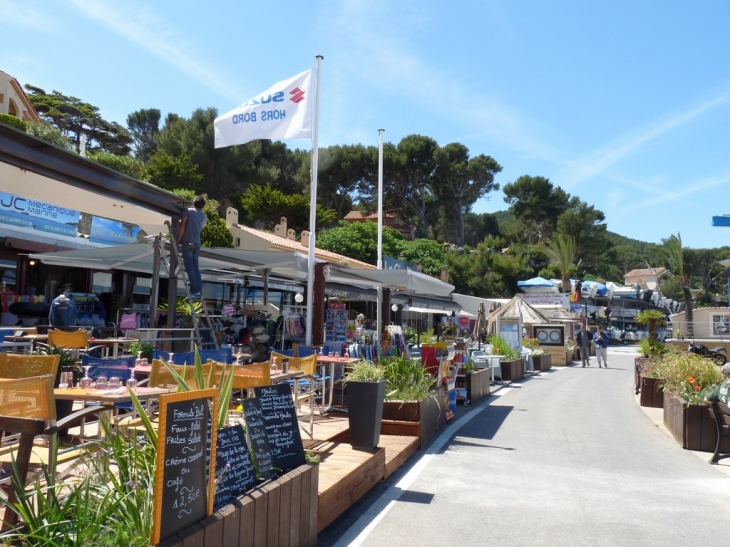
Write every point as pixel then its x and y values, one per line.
pixel 284 243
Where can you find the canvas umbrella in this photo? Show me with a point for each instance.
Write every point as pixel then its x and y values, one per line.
pixel 481 322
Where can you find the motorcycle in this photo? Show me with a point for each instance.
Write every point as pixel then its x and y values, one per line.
pixel 716 354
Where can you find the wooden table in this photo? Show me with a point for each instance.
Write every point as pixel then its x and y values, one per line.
pixel 330 362
pixel 109 396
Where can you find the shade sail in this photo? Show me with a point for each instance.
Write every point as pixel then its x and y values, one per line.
pixel 401 280
pixel 214 262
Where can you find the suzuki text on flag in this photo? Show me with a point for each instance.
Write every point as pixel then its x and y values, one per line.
pixel 284 111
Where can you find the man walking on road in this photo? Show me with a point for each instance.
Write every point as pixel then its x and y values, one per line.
pixel 602 347
pixel 584 339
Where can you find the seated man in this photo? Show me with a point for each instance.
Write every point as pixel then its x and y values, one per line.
pixel 721 393
pixel 257 348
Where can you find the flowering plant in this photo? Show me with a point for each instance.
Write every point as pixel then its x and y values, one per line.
pixel 690 376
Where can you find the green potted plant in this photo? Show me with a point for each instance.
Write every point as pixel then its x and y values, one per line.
pixel 414 404
pixel 365 388
pixel 687 379
pixel 511 362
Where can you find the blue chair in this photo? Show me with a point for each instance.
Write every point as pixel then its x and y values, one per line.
pixel 183 358
pixel 222 355
pixel 4 333
pixel 285 352
pixel 120 367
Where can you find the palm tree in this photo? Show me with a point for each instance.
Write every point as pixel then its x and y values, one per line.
pixel 674 258
pixel 561 252
pixel 653 319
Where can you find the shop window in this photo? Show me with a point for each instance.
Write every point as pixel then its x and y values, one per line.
pixel 9 270
pixel 102 282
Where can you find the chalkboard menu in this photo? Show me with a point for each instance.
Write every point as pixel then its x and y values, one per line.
pixel 234 471
pixel 282 427
pixel 185 443
pixel 257 437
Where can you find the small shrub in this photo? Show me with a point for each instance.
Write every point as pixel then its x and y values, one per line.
pixel 652 348
pixel 406 379
pixel 501 347
pixel 12 121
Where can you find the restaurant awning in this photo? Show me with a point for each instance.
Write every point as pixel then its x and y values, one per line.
pixel 214 262
pixel 401 280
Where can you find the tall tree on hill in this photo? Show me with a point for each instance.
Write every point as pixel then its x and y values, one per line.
pixel 459 181
pixel 75 118
pixel 227 172
pixel 408 177
pixel 674 257
pixel 586 224
pixel 144 126
pixel 537 205
pixel 344 174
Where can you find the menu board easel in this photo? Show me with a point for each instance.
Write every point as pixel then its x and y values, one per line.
pixel 186 439
pixel 258 440
pixel 282 426
pixel 235 474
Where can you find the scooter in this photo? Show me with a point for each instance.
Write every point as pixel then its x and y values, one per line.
pixel 716 354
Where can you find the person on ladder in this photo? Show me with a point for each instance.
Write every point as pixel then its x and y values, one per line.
pixel 188 237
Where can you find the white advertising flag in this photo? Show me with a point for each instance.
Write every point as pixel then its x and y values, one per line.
pixel 284 111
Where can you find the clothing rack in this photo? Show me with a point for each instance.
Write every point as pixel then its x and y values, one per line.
pixel 292 325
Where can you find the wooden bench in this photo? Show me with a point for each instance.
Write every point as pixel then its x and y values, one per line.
pixel 721 413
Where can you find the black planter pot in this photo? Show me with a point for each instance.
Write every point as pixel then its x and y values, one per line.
pixel 365 413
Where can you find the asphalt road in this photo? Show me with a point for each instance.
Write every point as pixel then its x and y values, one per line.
pixel 564 458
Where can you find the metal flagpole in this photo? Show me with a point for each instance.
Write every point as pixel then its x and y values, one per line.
pixel 313 209
pixel 379 322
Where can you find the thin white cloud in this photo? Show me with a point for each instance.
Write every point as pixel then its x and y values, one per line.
pixel 148 31
pixel 677 194
pixel 25 16
pixel 598 161
pixel 374 46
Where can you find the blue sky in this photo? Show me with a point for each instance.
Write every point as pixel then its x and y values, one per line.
pixel 625 104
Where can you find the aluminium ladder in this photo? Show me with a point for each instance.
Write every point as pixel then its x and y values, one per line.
pixel 189 299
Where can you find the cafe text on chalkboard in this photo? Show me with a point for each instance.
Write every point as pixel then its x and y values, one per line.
pixel 258 440
pixel 282 426
pixel 235 474
pixel 183 484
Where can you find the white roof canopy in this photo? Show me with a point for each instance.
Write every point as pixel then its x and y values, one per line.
pixel 400 280
pixel 217 262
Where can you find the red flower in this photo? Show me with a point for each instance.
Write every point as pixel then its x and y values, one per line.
pixel 697 387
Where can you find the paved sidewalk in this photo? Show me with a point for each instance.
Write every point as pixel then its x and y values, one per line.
pixel 566 457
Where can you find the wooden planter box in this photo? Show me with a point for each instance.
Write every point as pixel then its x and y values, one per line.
pixel 280 512
pixel 512 370
pixel 690 424
pixel 652 393
pixel 418 418
pixel 542 362
pixel 477 384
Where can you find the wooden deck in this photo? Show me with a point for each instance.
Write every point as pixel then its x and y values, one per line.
pixel 346 474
